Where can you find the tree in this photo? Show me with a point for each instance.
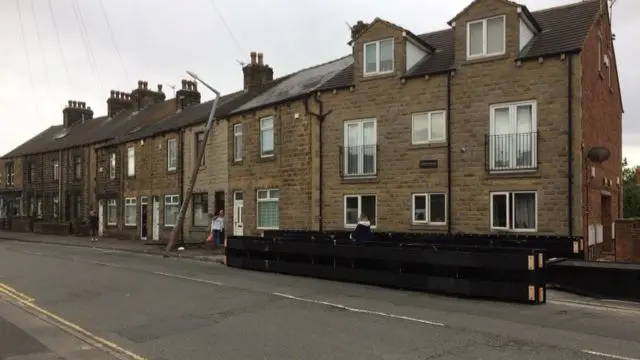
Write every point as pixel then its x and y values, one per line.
pixel 630 191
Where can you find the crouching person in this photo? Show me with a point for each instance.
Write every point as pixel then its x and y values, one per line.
pixel 362 232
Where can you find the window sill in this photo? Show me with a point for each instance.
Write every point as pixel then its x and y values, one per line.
pixel 131 177
pixel 485 58
pixel 430 145
pixel 424 226
pixel 267 228
pixel 171 172
pixel 360 179
pixel 505 174
pixel 514 231
pixel 376 76
pixel 351 227
pixel 112 225
pixel 130 226
pixel 168 226
pixel 267 158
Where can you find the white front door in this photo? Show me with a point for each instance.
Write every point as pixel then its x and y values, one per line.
pixel 100 217
pixel 156 219
pixel 238 213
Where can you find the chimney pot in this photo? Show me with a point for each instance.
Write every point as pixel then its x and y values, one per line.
pixel 145 84
pixel 113 93
pixel 139 84
pixel 117 94
pixel 195 85
pixel 70 103
pixel 184 84
pixel 260 57
pixel 74 104
pixel 253 57
pixel 159 87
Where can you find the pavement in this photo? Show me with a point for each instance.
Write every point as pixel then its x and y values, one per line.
pixel 144 306
pixel 193 252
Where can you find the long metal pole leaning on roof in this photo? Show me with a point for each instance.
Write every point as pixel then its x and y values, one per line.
pixel 196 168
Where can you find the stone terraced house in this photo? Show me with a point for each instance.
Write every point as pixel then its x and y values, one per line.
pixel 508 121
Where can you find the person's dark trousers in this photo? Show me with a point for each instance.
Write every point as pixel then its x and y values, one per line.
pixel 216 238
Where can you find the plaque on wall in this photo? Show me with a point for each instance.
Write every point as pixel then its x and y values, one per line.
pixel 428 164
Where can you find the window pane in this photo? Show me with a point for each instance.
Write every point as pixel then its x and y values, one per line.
pixel 420 128
pixel 499 211
pixel 524 139
pixel 369 207
pixel 266 141
pixel 268 216
pixel 368 133
pixel 475 39
pixel 500 139
pixel 524 211
pixel 200 217
pixel 370 58
pixel 420 208
pixel 170 213
pixel 495 35
pixel 437 206
pixel 266 123
pixel 437 126
pixel 524 120
pixel 352 210
pixel 386 55
pixel 263 194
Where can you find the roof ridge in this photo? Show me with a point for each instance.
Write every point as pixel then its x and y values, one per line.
pixel 556 7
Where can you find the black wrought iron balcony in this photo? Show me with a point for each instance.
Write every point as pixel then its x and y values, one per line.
pixel 358 161
pixel 511 152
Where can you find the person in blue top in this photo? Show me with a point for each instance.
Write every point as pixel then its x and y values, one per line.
pixel 362 232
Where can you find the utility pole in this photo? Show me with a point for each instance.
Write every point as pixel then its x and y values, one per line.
pixel 196 166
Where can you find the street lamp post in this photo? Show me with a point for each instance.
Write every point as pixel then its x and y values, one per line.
pixel 196 168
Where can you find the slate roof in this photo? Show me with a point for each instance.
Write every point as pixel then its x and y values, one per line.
pixel 564 30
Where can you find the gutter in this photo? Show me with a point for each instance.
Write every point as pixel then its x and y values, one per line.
pixel 321 115
pixel 570 144
pixel 449 161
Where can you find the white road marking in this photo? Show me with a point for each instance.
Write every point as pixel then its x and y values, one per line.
pixel 189 278
pixel 608 356
pixel 596 306
pixel 361 311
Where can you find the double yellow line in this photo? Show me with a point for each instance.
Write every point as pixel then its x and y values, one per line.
pixel 27 303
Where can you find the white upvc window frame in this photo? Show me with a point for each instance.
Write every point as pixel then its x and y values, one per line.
pixel 270 198
pixel 359 197
pixel 428 117
pixel 265 128
pixel 112 165
pixel 513 110
pixel 510 198
pixel 112 205
pixel 131 161
pixel 427 218
pixel 56 170
pixel 170 200
pixel 237 142
pixel 484 53
pixel 377 45
pixel 172 154
pixel 130 204
pixel 361 171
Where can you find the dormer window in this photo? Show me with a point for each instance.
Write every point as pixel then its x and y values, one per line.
pixel 378 57
pixel 486 37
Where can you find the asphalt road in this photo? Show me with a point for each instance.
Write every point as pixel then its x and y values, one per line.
pixel 165 308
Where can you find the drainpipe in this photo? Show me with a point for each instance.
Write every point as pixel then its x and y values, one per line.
pixel 570 144
pixel 181 176
pixel 448 122
pixel 321 115
pixel 60 173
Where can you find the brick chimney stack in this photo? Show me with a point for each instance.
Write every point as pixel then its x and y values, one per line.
pixel 76 112
pixel 142 96
pixel 188 95
pixel 357 29
pixel 119 101
pixel 256 73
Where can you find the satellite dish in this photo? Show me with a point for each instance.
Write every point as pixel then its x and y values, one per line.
pixel 598 154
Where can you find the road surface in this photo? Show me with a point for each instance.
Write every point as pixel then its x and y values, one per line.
pixel 148 307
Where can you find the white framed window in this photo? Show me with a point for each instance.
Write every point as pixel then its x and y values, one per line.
pixel 266 136
pixel 200 209
pixel 172 155
pixel 237 142
pixel 512 142
pixel 10 172
pixel 429 208
pixel 130 212
pixel 171 209
pixel 268 208
pixel 77 168
pixel 486 37
pixel 356 205
pixel 112 166
pixel 514 211
pixel 360 147
pixel 112 212
pixel 607 68
pixel 428 127
pixel 131 161
pixel 378 57
pixel 56 170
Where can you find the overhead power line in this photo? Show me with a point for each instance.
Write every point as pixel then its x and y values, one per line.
pixel 44 62
pixel 87 44
pixel 224 22
pixel 113 40
pixel 26 54
pixel 64 58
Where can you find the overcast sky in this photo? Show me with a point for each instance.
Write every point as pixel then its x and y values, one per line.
pixel 157 40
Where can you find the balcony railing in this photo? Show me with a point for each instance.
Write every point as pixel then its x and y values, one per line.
pixel 511 152
pixel 358 161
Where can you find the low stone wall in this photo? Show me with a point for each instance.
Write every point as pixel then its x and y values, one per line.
pixel 64 229
pixel 22 224
pixel 627 242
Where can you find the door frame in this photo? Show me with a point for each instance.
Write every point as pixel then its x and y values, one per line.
pixel 155 235
pixel 100 217
pixel 238 230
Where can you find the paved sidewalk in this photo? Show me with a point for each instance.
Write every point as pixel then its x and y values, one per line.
pixel 192 252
